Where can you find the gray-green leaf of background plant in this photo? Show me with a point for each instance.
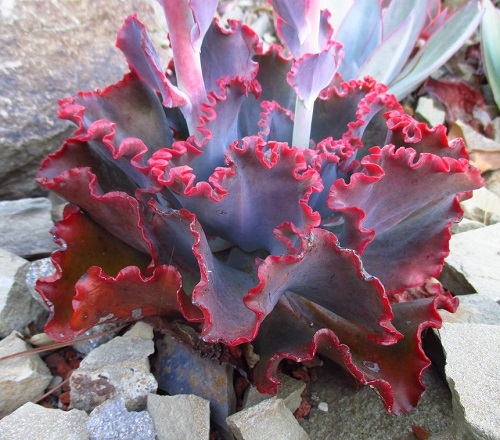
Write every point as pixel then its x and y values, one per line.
pixel 490 47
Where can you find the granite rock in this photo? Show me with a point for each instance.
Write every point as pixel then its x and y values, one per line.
pixel 51 50
pixel 269 419
pixel 290 391
pixel 117 369
pixel 475 308
pixel 473 262
pixel 112 421
pixel 17 306
pixel 33 421
pixel 25 227
pixel 473 374
pixel 180 417
pixel 22 378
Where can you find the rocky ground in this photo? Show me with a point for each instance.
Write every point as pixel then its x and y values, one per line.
pixel 53 49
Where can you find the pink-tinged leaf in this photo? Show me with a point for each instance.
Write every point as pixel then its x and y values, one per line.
pixel 128 296
pixel 313 72
pixel 84 244
pixel 463 102
pixel 273 69
pixel 203 14
pixel 134 42
pixel 405 131
pixel 129 109
pixel 220 292
pixel 331 277
pixel 353 106
pixel 298 330
pixel 413 222
pixel 234 208
pixel 276 123
pixel 68 174
pixel 220 123
pixel 229 53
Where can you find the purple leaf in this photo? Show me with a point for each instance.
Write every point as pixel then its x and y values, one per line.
pixel 313 72
pixel 134 42
pixel 331 277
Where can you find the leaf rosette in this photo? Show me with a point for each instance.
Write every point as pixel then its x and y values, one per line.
pixel 253 191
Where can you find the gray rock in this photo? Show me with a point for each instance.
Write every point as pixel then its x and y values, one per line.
pixel 17 306
pixel 180 417
pixel 473 374
pixel 473 262
pixel 25 227
pixel 483 206
pixel 112 421
pixel 23 378
pixel 475 309
pixel 269 419
pixel 359 414
pixel 290 391
pixel 466 225
pixel 51 50
pixel 87 346
pixel 39 269
pixel 118 369
pixel 430 111
pixel 33 421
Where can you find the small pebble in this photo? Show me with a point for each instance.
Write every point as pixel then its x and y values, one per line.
pixel 323 406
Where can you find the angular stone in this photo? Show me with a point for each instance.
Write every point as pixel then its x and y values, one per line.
pixel 74 49
pixel 180 417
pixel 473 374
pixel 118 369
pixel 359 414
pixel 205 377
pixel 39 269
pixel 483 206
pixel 290 391
pixel 473 262
pixel 25 227
pixel 33 421
pixel 466 225
pixel 17 306
pixel 474 309
pixel 111 420
pixel 269 419
pixel 430 111
pixel 22 378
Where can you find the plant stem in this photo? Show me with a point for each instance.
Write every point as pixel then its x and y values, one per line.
pixel 302 124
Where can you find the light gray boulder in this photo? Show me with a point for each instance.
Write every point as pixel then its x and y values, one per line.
pixel 33 421
pixel 17 306
pixel 473 263
pixel 117 369
pixel 112 421
pixel 51 50
pixel 290 391
pixel 269 419
pixel 23 378
pixel 25 227
pixel 473 374
pixel 180 417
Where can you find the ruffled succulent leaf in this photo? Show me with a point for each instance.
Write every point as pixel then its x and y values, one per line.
pixel 331 277
pixel 239 46
pixel 134 42
pixel 237 210
pixel 422 212
pixel 297 329
pixel 439 48
pixel 98 248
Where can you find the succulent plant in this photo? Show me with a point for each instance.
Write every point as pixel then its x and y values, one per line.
pixel 254 193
